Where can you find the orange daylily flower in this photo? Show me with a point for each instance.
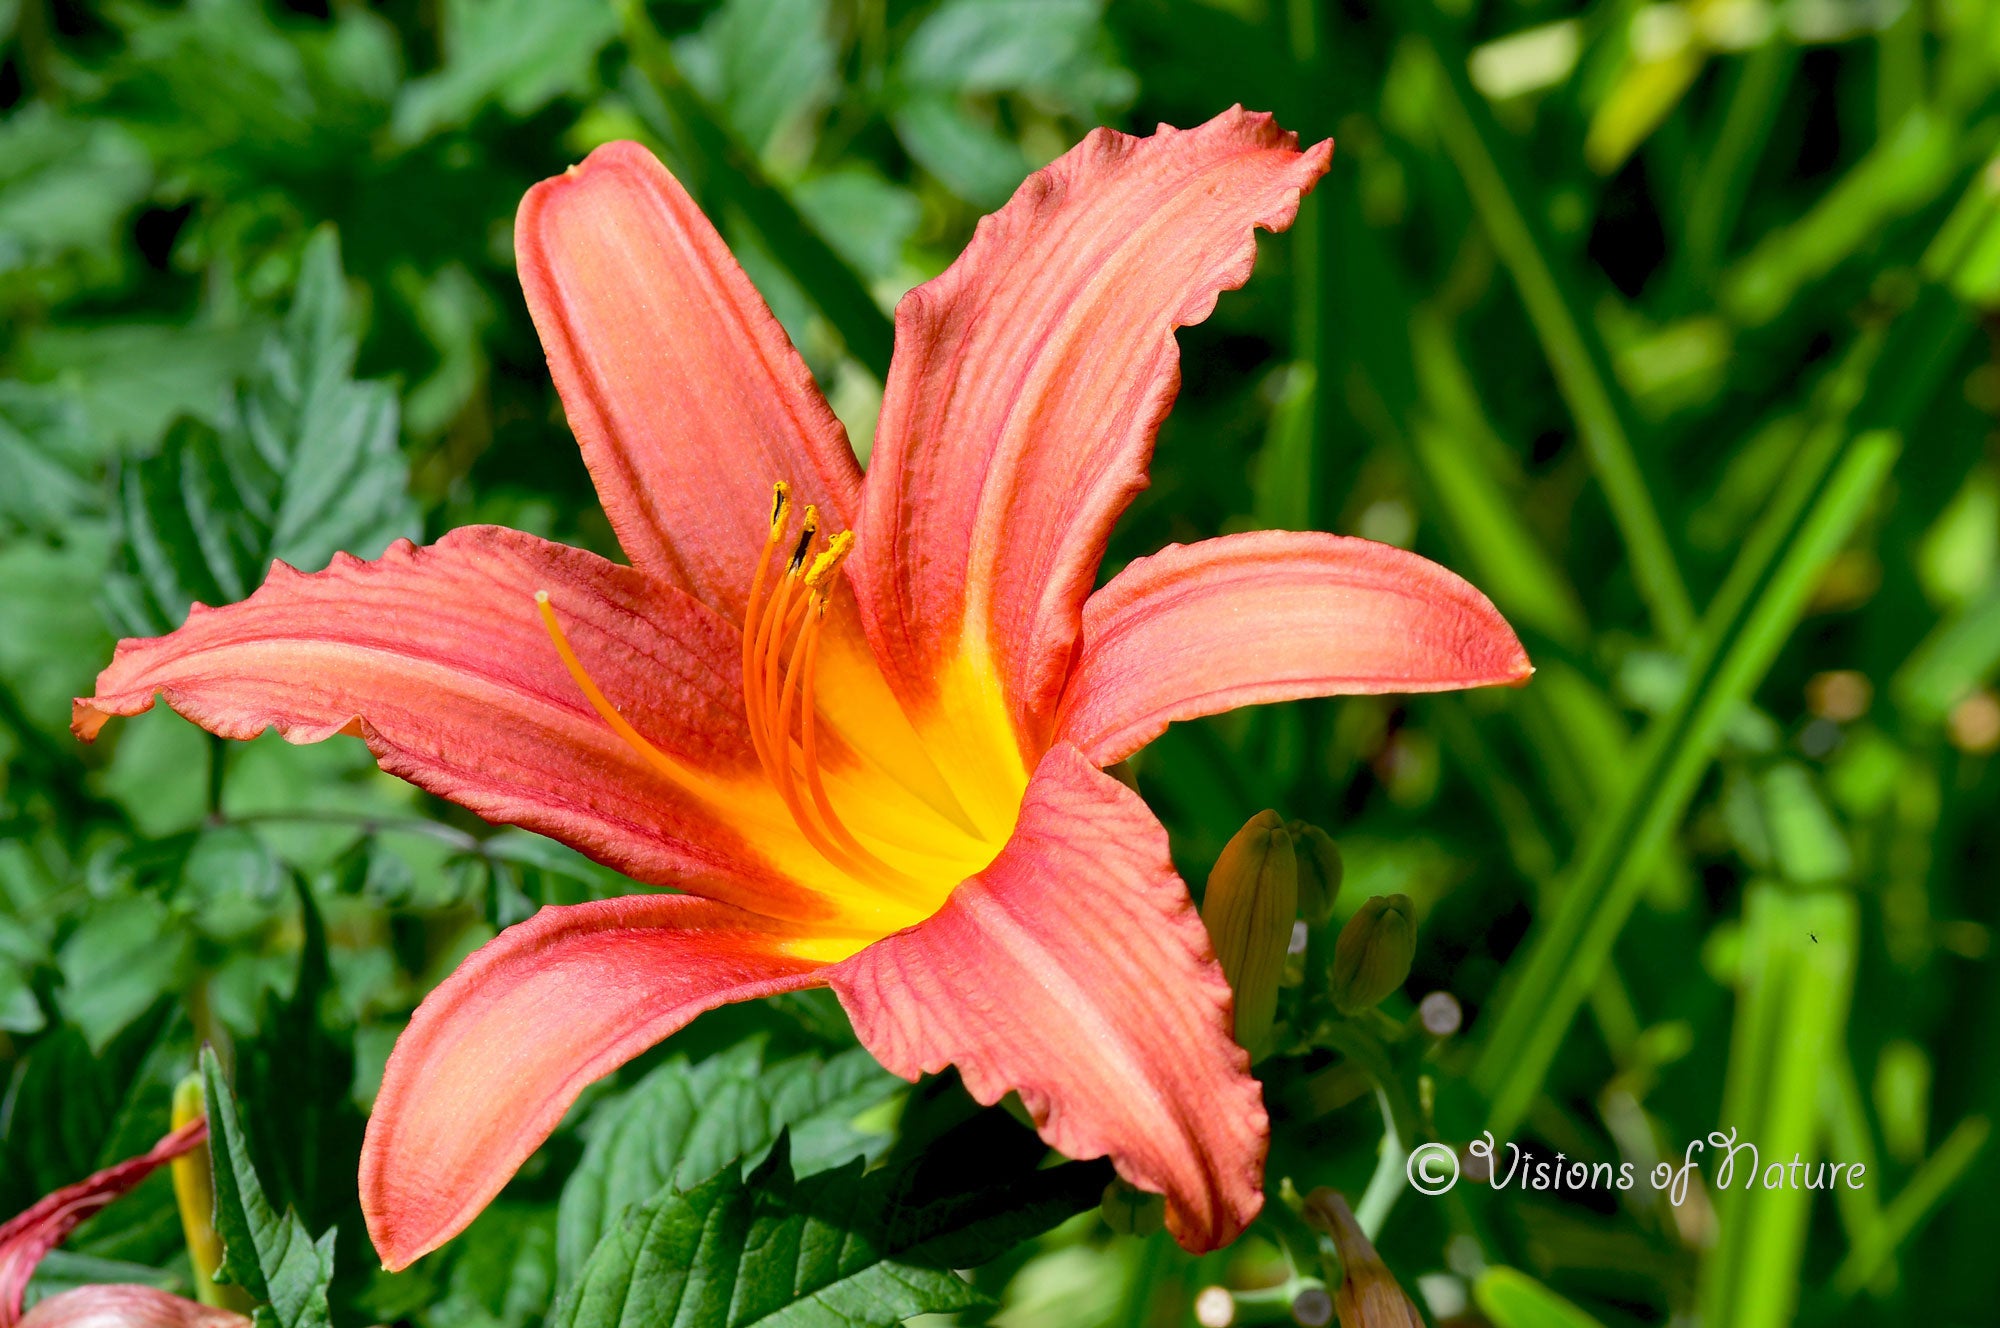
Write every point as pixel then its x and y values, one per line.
pixel 860 726
pixel 25 1238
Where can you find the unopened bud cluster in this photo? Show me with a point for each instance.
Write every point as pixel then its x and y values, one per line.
pixel 1272 874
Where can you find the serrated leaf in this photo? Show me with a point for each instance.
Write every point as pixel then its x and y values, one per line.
pixel 683 1123
pixel 271 1257
pixel 304 464
pixel 298 1078
pixel 840 1249
pixel 47 458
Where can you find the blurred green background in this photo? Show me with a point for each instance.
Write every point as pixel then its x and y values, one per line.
pixel 1667 324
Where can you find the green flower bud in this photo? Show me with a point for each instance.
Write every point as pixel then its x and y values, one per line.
pixel 1131 1211
pixel 1252 901
pixel 1319 871
pixel 1373 954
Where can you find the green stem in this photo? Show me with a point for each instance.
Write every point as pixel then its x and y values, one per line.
pixel 1386 1184
pixel 367 825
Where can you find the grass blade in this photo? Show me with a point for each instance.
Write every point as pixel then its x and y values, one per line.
pixel 1831 483
pixel 1576 355
pixel 1791 1017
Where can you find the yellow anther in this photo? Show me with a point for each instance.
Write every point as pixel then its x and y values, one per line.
pixel 781 507
pixel 824 566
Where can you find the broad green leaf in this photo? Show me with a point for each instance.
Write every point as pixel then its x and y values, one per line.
pixel 866 219
pixel 66 186
pixel 840 1249
pixel 1057 48
pixel 1961 654
pixel 519 53
pixel 123 958
pixel 973 161
pixel 1512 1299
pixel 20 1012
pixel 48 459
pixel 683 1123
pixel 132 379
pixel 305 464
pixel 271 1257
pixel 765 63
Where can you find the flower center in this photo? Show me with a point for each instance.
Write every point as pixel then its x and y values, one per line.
pixel 782 622
pixel 781 685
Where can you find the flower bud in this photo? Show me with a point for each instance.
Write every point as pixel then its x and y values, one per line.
pixel 194 1194
pixel 1319 871
pixel 1373 954
pixel 1252 900
pixel 1368 1295
pixel 1131 1211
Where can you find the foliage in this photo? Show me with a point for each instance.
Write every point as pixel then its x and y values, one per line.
pixel 1665 324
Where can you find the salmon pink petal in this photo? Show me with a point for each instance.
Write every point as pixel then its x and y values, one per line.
pixel 438 657
pixel 498 1052
pixel 25 1238
pixel 1027 386
pixel 683 390
pixel 1075 971
pixel 1271 616
pixel 125 1306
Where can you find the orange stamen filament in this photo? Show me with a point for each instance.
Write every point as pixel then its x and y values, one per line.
pixel 599 702
pixel 779 684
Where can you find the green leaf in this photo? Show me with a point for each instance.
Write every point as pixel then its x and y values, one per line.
pixel 47 458
pixel 20 1012
pixel 271 1257
pixel 66 186
pixel 304 464
pixel 683 1123
pixel 1576 354
pixel 840 1249
pixel 971 160
pixel 123 958
pixel 298 1078
pixel 1057 48
pixel 1831 484
pixel 1797 978
pixel 1512 1299
pixel 1961 654
pixel 765 63
pixel 519 53
pixel 1905 172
